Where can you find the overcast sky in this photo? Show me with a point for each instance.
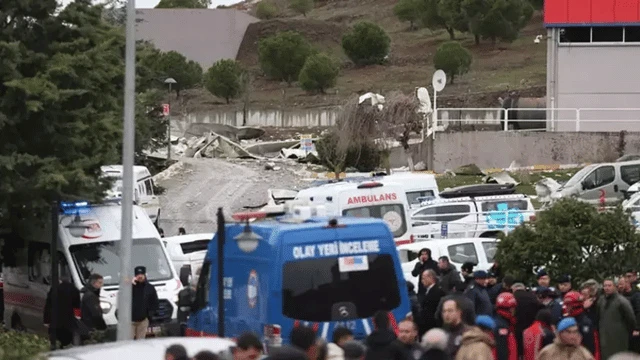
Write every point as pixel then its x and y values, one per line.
pixel 147 4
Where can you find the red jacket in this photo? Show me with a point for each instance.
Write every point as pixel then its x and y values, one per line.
pixel 506 345
pixel 534 338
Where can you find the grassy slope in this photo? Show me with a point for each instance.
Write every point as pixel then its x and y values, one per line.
pixel 520 65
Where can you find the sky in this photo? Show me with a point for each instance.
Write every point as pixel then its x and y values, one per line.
pixel 147 4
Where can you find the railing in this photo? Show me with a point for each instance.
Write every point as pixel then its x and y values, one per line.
pixel 530 119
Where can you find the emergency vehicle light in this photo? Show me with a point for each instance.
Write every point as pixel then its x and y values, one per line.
pixel 245 216
pixel 75 208
pixel 369 185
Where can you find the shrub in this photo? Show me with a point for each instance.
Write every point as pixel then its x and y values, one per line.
pixel 318 73
pixel 301 6
pixel 223 79
pixel 266 10
pixel 453 59
pixel 366 44
pixel 282 56
pixel 16 345
pixel 408 10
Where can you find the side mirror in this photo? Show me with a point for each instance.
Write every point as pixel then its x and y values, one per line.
pixel 185 303
pixel 185 274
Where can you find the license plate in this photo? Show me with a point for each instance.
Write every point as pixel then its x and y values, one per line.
pixel 153 330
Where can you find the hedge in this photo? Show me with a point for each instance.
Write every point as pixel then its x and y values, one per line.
pixel 16 345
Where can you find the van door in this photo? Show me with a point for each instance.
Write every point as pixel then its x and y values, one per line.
pixel 629 175
pixel 459 218
pixel 601 179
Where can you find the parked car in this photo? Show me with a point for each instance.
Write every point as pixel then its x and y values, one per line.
pixel 188 250
pixel 480 251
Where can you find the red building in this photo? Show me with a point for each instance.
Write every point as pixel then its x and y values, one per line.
pixel 592 49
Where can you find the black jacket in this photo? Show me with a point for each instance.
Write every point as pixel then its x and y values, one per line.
pixel 480 298
pixel 419 269
pixel 428 308
pixel 526 311
pixel 382 344
pixel 634 299
pixel 91 310
pixel 145 301
pixel 588 332
pixel 455 339
pixel 435 354
pixel 450 279
pixel 68 306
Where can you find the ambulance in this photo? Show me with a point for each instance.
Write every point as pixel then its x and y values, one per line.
pixel 418 186
pixel 322 272
pixel 88 243
pixel 376 199
pixel 143 189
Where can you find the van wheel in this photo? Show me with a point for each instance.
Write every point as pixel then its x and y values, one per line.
pixel 492 234
pixel 16 322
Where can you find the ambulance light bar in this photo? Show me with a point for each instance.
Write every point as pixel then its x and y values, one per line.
pixel 75 207
pixel 244 216
pixel 369 185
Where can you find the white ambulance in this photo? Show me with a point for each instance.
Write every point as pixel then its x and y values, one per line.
pixel 88 243
pixel 419 186
pixel 143 193
pixel 374 199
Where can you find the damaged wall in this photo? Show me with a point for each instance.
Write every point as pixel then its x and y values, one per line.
pixel 489 149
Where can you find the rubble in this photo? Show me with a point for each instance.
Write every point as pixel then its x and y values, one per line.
pixel 501 178
pixel 214 145
pixel 545 187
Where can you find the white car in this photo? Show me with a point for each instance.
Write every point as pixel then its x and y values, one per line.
pixel 480 251
pixel 189 250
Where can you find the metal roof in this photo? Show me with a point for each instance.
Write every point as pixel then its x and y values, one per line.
pixel 565 13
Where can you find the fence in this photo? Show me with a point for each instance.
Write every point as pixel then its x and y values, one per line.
pixel 542 119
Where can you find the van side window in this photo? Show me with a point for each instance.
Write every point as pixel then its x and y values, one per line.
pixel 202 290
pixel 149 185
pixel 511 205
pixel 490 249
pixel 39 263
pixel 630 174
pixel 601 176
pixel 462 253
pixel 443 213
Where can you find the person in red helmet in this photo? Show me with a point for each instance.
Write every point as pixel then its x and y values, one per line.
pixel 573 306
pixel 505 318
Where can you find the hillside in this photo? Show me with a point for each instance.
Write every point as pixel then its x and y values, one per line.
pixel 495 69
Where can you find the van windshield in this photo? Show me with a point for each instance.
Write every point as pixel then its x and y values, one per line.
pixel 414 196
pixel 393 215
pixel 103 258
pixel 577 177
pixel 311 288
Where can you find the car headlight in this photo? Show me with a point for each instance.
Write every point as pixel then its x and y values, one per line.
pixel 175 298
pixel 106 307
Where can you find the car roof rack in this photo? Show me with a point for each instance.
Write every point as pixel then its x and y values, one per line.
pixel 477 190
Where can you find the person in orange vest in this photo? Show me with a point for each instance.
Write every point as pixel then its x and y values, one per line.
pixel 538 335
pixel 505 318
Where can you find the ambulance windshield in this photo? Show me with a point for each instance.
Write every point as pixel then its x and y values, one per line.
pixel 102 258
pixel 311 288
pixel 393 215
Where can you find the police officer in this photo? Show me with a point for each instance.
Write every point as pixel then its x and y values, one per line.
pixel 573 306
pixel 546 296
pixel 477 293
pixel 506 344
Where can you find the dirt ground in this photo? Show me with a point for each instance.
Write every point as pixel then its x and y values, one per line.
pixel 495 70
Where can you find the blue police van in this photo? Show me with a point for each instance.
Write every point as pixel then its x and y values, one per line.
pixel 314 271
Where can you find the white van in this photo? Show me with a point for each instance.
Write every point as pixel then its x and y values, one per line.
pixel 88 243
pixel 480 251
pixel 418 186
pixel 593 181
pixel 188 250
pixel 481 216
pixel 386 201
pixel 143 189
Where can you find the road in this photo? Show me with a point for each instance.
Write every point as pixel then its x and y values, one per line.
pixel 194 195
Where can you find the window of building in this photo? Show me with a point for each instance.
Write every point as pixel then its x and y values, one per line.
pixel 607 34
pixel 575 35
pixel 632 34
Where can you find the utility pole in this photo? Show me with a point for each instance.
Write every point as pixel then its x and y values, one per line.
pixel 169 81
pixel 128 139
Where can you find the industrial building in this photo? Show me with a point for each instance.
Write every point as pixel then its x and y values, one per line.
pixel 593 47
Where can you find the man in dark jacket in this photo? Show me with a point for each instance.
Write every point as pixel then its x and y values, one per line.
pixel 466 271
pixel 145 301
pixel 454 325
pixel 382 343
pixel 430 302
pixel 449 276
pixel 67 310
pixel 504 286
pixel 91 310
pixel 527 309
pixel 477 293
pixel 413 299
pixel 425 262
pixel 466 306
pixel 546 296
pixel 625 289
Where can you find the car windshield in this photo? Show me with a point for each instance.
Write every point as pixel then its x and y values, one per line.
pixel 103 258
pixel 312 289
pixel 393 215
pixel 577 177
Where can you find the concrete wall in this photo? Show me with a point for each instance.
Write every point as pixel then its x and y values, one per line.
pixel 494 149
pixel 604 81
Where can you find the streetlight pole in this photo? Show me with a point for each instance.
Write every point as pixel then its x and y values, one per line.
pixel 128 138
pixel 169 81
pixel 221 241
pixel 53 325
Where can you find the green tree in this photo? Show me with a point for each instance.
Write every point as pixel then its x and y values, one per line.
pixel 575 238
pixel 496 19
pixel 366 44
pixel 186 73
pixel 301 6
pixel 453 59
pixel 408 10
pixel 282 56
pixel 266 10
pixel 224 79
pixel 451 16
pixel 185 4
pixel 318 73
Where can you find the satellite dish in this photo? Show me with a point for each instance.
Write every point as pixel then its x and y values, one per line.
pixel 439 80
pixel 425 101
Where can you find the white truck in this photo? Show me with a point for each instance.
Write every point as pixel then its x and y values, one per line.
pixel 88 243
